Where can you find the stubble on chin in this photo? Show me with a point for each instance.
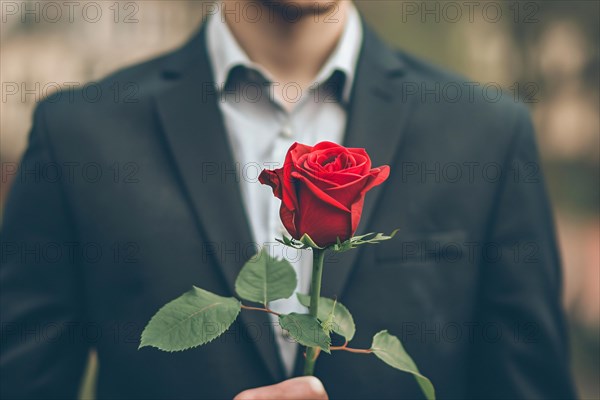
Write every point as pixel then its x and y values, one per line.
pixel 296 9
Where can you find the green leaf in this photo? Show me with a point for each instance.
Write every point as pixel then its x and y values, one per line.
pixel 306 330
pixel 194 318
pixel 343 321
pixel 264 279
pixel 389 350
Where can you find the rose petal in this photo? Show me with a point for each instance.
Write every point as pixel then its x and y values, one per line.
pixel 378 176
pixel 320 194
pixel 323 222
pixel 272 178
pixel 329 179
pixel 288 220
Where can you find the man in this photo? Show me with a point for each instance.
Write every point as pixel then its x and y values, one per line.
pixel 471 284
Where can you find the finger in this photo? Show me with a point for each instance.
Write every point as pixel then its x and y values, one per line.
pixel 302 388
pixel 271 392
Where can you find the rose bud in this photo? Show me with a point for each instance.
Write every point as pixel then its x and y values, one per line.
pixel 322 190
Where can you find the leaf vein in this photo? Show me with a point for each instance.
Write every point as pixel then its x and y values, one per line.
pixel 191 316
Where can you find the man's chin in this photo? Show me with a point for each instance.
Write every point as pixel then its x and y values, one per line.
pixel 292 9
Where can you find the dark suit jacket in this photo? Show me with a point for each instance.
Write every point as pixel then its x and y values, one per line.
pixel 126 199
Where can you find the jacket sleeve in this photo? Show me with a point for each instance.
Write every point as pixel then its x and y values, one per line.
pixel 41 306
pixel 520 347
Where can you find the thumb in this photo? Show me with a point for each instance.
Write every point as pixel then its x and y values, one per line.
pixel 301 388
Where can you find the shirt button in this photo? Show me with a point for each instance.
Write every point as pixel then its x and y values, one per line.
pixel 287 132
pixel 252 75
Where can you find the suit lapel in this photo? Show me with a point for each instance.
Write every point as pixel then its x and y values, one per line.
pixel 377 117
pixel 195 134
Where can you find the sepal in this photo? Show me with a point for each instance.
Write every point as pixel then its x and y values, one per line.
pixel 355 241
pixel 305 242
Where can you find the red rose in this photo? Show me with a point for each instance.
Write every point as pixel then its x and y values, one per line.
pixel 322 190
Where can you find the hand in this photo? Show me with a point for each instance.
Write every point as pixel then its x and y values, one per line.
pixel 302 388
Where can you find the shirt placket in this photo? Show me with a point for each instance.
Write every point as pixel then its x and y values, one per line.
pixel 288 134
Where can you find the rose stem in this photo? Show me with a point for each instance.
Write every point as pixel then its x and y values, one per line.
pixel 315 293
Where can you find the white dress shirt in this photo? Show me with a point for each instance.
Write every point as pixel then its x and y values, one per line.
pixel 260 131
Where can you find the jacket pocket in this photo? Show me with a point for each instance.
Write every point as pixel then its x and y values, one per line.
pixel 444 247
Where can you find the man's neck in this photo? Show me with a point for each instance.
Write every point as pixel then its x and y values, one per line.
pixel 290 51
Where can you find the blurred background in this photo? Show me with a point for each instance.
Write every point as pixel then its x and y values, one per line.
pixel 545 54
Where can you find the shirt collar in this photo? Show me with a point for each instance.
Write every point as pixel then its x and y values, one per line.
pixel 225 53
